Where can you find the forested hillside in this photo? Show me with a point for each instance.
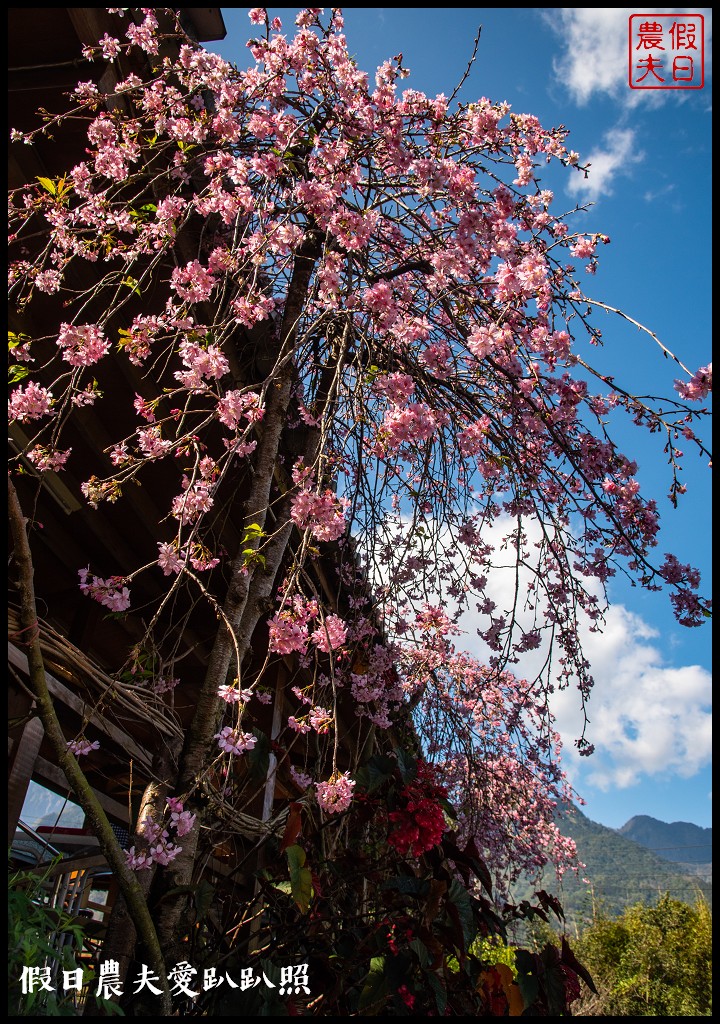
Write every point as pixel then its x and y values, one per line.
pixel 619 873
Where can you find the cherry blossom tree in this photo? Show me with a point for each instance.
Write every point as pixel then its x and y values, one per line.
pixel 357 307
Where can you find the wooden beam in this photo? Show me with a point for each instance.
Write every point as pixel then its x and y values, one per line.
pixel 64 867
pixel 46 770
pixel 60 692
pixel 25 752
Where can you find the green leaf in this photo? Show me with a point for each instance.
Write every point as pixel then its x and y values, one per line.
pixel 460 904
pixel 300 877
pixel 16 373
pixel 132 284
pixel 375 988
pixel 109 1008
pixel 255 529
pixel 258 759
pixel 407 764
pixel 447 807
pixel 49 185
pixel 203 896
pixel 527 979
pixel 421 951
pixel 439 991
pixel 377 771
pixel 285 887
pixel 409 886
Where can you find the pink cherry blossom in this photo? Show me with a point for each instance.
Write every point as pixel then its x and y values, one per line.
pixel 111 592
pixel 699 385
pixel 192 282
pixel 287 634
pixel 82 345
pixel 331 634
pixel 233 741
pixel 46 459
pixel 301 779
pixel 81 747
pixel 335 796
pixel 29 403
pixel 168 559
pixel 322 514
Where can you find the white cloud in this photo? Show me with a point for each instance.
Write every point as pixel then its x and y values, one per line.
pixel 616 156
pixel 652 196
pixel 647 718
pixel 595 53
pixel 594 58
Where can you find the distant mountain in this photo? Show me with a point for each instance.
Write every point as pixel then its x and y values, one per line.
pixel 619 871
pixel 679 841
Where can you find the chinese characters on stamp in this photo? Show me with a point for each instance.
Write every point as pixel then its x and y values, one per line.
pixel 666 51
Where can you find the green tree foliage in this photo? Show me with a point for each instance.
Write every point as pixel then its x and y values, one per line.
pixel 620 873
pixel 44 942
pixel 650 962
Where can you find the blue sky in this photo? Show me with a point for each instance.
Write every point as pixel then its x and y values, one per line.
pixel 650 183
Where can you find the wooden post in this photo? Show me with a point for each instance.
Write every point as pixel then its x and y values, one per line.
pixel 24 755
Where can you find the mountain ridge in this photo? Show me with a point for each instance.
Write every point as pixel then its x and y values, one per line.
pixel 620 872
pixel 677 841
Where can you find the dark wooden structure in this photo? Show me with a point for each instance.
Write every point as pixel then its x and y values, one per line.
pixel 84 648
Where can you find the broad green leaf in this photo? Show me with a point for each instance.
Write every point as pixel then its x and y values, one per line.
pixel 459 901
pixel 447 807
pixel 421 951
pixel 300 877
pixel 378 770
pixel 285 887
pixel 527 979
pixel 407 764
pixel 375 988
pixel 439 991
pixel 255 530
pixel 204 893
pixel 49 185
pixel 409 886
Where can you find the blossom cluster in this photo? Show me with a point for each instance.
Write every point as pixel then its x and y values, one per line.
pixel 159 847
pixel 335 795
pixel 289 628
pixel 234 741
pixel 112 592
pixel 29 402
pixel 320 512
pixel 699 385
pixel 82 345
pixel 80 747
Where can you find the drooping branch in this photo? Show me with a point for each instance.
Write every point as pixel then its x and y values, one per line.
pixel 227 643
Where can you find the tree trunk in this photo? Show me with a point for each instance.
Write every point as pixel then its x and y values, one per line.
pixel 121 936
pixel 235 633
